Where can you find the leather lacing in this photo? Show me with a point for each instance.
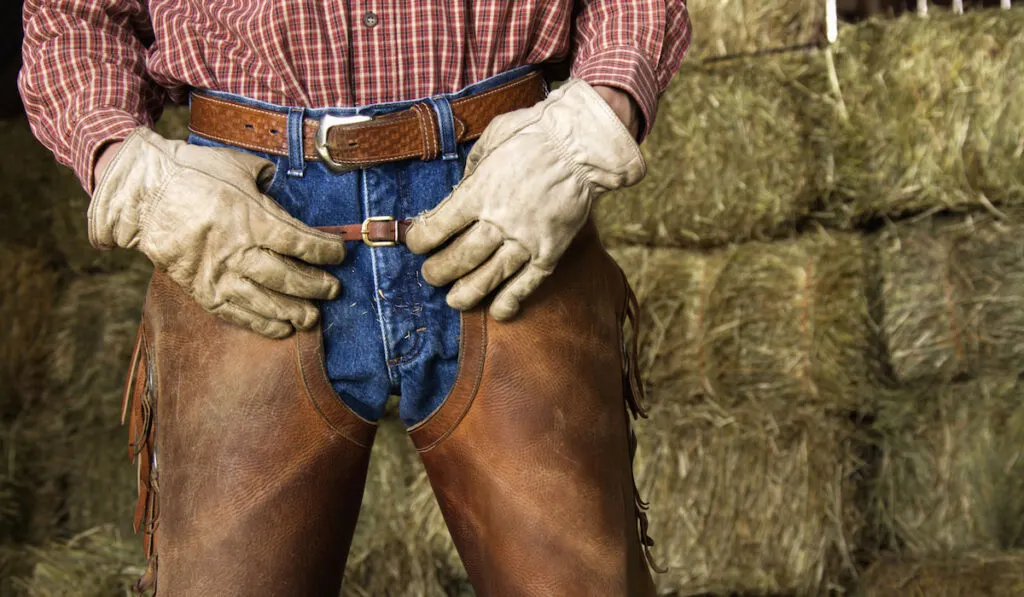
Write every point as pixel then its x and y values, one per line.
pixel 139 398
pixel 633 389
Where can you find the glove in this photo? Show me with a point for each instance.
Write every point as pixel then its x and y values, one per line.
pixel 529 185
pixel 199 216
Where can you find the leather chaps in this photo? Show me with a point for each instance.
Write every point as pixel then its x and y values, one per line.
pixel 251 470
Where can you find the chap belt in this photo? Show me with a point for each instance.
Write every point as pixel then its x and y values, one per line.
pixel 352 142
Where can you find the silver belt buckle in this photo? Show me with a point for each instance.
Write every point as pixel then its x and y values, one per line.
pixel 326 124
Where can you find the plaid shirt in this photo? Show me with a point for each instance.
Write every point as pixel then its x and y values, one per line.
pixel 93 70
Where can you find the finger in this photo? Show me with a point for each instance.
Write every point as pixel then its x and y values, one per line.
pixel 236 315
pixel 508 301
pixel 433 228
pixel 283 234
pixel 463 255
pixel 475 286
pixel 301 314
pixel 289 277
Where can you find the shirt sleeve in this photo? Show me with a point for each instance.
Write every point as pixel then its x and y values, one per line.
pixel 635 45
pixel 83 79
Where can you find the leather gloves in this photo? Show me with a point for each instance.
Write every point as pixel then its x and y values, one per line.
pixel 199 215
pixel 529 185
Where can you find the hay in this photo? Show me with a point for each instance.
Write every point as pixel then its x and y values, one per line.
pixel 743 501
pixel 28 290
pixel 96 323
pixel 96 563
pixel 962 575
pixel 732 156
pixel 952 468
pixel 26 205
pixel 758 149
pixel 776 325
pixel 936 114
pixel 401 547
pixel 952 301
pixel 727 27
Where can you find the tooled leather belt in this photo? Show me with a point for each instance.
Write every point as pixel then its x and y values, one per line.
pixel 347 142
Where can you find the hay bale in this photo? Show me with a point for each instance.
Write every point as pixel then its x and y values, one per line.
pixel 26 205
pixel 733 156
pixel 952 299
pixel 96 563
pixel 961 575
pixel 28 290
pixel 729 27
pixel 778 325
pixel 402 547
pixel 96 324
pixel 757 149
pixel 951 474
pixel 744 501
pixel 936 114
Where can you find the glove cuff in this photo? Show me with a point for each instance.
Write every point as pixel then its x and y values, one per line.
pixel 116 197
pixel 593 136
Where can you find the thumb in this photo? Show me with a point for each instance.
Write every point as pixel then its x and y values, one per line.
pixel 260 169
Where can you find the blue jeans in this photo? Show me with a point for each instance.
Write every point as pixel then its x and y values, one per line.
pixel 388 332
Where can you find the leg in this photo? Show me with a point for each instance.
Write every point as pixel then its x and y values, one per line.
pixel 251 469
pixel 529 456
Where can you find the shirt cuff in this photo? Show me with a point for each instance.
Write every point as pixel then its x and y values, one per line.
pixel 91 133
pixel 628 69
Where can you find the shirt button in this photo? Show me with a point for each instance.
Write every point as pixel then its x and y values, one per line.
pixel 370 20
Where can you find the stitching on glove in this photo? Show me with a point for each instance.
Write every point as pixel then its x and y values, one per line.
pixel 154 202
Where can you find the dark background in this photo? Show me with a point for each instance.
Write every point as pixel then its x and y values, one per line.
pixel 10 57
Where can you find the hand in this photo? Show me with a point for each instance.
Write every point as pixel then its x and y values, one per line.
pixel 104 159
pixel 623 105
pixel 528 189
pixel 199 215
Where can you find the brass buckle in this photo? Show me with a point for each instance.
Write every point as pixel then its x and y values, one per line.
pixel 326 124
pixel 378 243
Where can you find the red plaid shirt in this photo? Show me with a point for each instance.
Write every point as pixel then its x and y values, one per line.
pixel 96 69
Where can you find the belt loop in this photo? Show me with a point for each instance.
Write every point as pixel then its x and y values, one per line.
pixel 296 155
pixel 446 124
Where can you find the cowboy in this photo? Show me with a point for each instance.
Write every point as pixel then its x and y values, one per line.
pixel 377 198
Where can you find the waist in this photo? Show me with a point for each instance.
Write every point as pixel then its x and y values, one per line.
pixel 348 138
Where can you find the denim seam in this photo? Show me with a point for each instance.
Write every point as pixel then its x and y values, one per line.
pixel 376 284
